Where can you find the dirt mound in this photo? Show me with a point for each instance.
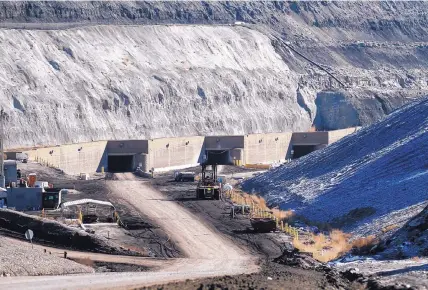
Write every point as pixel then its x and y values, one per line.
pixel 296 259
pixel 50 232
pixel 19 258
pixel 301 260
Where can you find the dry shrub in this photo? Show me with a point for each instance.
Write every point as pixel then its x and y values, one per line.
pixel 260 202
pixel 84 261
pixel 325 248
pixel 363 242
pixel 389 228
pixel 282 214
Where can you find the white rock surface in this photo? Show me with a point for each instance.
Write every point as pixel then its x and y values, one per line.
pixel 143 82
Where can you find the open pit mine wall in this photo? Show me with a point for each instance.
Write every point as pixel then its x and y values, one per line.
pixel 175 153
pixel 143 82
pixel 328 64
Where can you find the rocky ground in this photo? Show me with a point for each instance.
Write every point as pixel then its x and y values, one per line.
pixel 291 270
pixel 17 258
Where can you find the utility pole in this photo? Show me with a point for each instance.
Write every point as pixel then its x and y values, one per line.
pixel 2 178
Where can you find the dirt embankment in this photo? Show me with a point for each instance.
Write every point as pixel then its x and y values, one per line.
pixel 53 233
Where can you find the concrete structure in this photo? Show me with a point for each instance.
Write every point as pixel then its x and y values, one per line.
pixel 174 153
pixel 125 155
pixel 72 158
pixel 266 148
pixel 181 152
pixel 223 149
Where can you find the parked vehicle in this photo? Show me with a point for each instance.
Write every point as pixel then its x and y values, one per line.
pixel 185 176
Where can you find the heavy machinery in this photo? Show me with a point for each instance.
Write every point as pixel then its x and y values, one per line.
pixel 208 185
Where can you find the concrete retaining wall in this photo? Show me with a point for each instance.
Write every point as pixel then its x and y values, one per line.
pixel 223 142
pixel 128 146
pixel 309 138
pixel 175 153
pixel 336 135
pixel 266 148
pixel 73 159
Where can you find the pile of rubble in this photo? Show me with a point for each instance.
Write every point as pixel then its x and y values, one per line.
pixel 19 258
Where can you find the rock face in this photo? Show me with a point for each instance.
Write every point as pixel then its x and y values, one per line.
pixel 374 178
pixel 297 64
pixel 146 81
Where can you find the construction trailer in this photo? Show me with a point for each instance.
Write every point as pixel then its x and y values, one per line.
pixel 208 185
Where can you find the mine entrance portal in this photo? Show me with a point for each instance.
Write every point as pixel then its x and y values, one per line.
pixel 120 162
pixel 218 157
pixel 302 150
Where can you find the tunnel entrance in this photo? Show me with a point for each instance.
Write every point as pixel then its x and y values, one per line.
pixel 220 157
pixel 120 163
pixel 302 150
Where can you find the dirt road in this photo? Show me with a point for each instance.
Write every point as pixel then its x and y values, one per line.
pixel 208 253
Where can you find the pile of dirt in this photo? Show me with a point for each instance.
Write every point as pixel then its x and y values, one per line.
pixel 50 232
pixel 296 259
pixel 302 260
pixel 18 258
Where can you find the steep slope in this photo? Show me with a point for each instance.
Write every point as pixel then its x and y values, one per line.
pixel 143 81
pixel 377 51
pixel 369 180
pixel 367 58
